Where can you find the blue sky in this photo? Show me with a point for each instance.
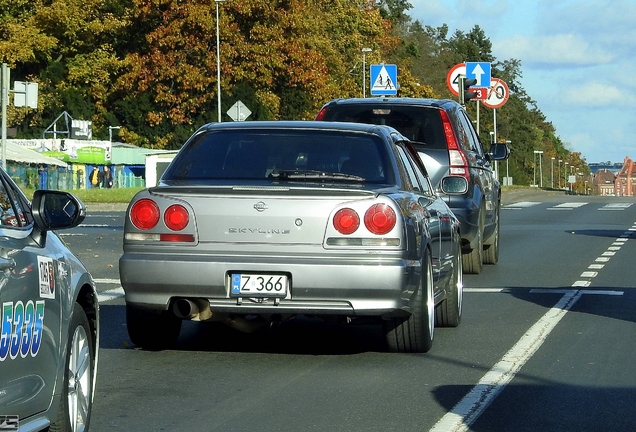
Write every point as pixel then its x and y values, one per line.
pixel 578 60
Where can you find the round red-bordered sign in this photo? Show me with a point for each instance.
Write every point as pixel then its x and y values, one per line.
pixel 452 79
pixel 498 94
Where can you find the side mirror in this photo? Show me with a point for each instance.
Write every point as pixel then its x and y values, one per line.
pixel 55 210
pixel 499 151
pixel 454 185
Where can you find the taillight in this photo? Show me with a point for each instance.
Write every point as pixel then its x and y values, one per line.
pixel 346 221
pixel 144 214
pixel 321 114
pixel 458 163
pixel 176 217
pixel 380 219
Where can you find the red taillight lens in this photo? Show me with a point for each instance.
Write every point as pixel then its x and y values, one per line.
pixel 176 217
pixel 346 221
pixel 458 163
pixel 321 114
pixel 380 219
pixel 144 214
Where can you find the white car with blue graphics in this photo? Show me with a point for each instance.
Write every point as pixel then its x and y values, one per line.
pixel 49 328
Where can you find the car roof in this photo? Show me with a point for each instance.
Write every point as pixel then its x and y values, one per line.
pixel 302 125
pixel 436 103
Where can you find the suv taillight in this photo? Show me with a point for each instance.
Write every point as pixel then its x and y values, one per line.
pixel 321 114
pixel 458 163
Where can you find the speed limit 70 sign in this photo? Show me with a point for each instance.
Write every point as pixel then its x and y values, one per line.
pixel 498 93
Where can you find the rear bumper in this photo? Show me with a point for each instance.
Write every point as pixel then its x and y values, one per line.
pixel 365 286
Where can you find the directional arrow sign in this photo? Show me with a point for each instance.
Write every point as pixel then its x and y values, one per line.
pixel 479 71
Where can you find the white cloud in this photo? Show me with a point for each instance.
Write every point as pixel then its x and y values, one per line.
pixel 594 94
pixel 562 49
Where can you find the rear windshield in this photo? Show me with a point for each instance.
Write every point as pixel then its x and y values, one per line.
pixel 417 123
pixel 282 155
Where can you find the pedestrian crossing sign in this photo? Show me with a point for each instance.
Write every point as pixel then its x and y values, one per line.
pixel 383 79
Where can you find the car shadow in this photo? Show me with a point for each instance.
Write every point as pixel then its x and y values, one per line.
pixel 301 335
pixel 549 406
pixel 598 233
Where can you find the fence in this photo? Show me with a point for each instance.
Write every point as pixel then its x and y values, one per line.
pixel 50 177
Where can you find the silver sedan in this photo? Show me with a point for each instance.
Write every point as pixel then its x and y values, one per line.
pixel 258 222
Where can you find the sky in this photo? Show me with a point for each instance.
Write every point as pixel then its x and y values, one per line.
pixel 578 62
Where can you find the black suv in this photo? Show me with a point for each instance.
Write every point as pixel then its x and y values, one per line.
pixel 449 146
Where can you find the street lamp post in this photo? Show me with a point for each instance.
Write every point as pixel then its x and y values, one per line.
pixel 364 71
pixel 565 175
pixel 540 153
pixel 110 132
pixel 559 172
pixel 218 60
pixel 508 182
pixel 552 173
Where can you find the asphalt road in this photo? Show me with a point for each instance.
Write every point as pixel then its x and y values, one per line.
pixel 546 343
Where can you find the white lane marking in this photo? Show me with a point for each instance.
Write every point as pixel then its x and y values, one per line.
pixel 522 204
pixel 596 266
pixel 93 225
pixel 484 290
pixel 494 381
pixel 567 206
pixel 109 295
pixel 589 274
pixel 616 206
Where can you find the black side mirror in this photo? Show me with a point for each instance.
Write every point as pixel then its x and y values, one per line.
pixel 499 151
pixel 55 210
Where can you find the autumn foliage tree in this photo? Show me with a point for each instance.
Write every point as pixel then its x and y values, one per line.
pixel 150 66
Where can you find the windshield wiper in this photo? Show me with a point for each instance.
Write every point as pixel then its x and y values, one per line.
pixel 312 175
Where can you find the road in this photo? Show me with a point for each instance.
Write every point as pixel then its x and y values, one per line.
pixel 546 343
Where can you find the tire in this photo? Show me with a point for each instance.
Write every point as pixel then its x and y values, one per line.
pixel 152 330
pixel 449 312
pixel 415 333
pixel 491 252
pixel 76 405
pixel 474 260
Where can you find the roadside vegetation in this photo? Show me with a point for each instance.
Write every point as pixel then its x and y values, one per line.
pixel 150 68
pixel 105 196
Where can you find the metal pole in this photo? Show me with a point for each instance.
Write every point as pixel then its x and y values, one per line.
pixel 364 71
pixel 364 74
pixel 541 168
pixel 218 60
pixel 5 101
pixel 494 117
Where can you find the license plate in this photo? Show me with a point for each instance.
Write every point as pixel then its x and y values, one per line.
pixel 258 285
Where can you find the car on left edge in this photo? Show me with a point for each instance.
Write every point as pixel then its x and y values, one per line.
pixel 49 327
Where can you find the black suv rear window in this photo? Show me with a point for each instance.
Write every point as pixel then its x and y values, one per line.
pixel 417 123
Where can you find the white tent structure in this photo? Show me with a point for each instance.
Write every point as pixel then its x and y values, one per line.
pixel 17 153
